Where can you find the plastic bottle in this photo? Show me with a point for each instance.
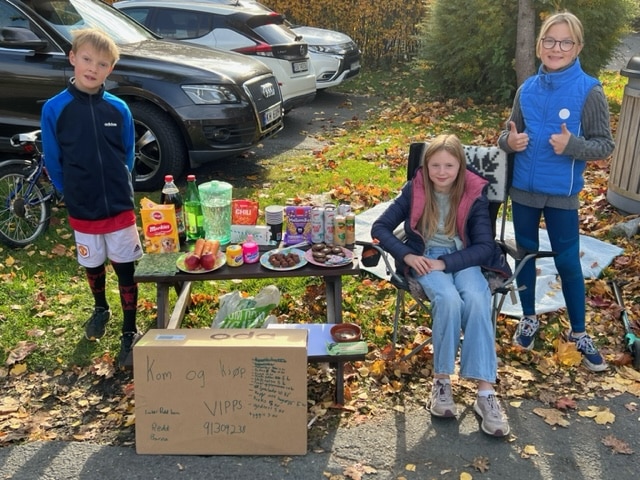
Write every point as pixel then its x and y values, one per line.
pixel 250 250
pixel 171 195
pixel 194 220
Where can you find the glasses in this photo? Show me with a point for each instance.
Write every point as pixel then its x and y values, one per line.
pixel 565 45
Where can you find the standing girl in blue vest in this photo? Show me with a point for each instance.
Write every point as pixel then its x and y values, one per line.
pixel 559 121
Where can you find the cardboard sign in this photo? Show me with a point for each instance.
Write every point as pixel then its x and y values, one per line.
pixel 221 392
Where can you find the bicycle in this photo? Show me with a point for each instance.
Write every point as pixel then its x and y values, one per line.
pixel 26 193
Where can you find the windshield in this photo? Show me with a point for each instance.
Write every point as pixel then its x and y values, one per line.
pixel 68 15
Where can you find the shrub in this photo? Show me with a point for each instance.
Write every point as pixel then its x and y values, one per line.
pixel 470 46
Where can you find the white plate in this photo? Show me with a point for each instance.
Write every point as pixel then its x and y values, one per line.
pixel 221 259
pixel 264 259
pixel 334 260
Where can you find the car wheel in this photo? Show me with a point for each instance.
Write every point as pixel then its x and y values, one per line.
pixel 159 150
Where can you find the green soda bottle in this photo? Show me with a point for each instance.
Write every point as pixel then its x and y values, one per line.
pixel 193 211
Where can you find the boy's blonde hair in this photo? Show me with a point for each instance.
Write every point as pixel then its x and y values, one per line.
pixel 98 39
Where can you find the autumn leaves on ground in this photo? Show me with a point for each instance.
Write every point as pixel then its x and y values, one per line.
pixel 96 403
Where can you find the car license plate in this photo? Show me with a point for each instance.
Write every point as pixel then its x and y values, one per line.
pixel 271 115
pixel 300 67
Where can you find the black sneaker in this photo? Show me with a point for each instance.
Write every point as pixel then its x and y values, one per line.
pixel 127 341
pixel 96 326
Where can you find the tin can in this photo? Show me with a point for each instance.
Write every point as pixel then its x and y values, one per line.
pixel 234 256
pixel 344 208
pixel 339 230
pixel 317 225
pixel 350 226
pixel 329 216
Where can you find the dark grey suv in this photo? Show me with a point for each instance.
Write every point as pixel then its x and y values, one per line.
pixel 190 104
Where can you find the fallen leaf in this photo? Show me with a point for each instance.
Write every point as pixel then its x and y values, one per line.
pixel 356 471
pixel 601 415
pixel 22 350
pixel 618 446
pixel 567 354
pixel 465 476
pixel 552 416
pixel 481 464
pixel 565 402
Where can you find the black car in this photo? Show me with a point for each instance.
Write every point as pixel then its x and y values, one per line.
pixel 190 104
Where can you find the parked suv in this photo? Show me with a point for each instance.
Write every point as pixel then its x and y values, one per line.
pixel 334 55
pixel 260 34
pixel 190 104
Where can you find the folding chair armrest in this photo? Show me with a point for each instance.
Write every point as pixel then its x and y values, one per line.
pixel 372 259
pixel 522 254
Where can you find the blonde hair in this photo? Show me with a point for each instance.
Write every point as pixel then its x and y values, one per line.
pixel 430 215
pixel 573 23
pixel 98 39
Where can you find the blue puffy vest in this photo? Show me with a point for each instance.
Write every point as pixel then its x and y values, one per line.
pixel 548 100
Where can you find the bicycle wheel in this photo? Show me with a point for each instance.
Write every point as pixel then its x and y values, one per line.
pixel 25 209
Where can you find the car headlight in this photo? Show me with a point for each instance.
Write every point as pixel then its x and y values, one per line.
pixel 210 94
pixel 332 49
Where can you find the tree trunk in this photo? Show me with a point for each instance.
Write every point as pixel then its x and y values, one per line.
pixel 525 41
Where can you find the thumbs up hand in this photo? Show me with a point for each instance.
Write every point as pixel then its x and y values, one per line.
pixel 517 141
pixel 560 140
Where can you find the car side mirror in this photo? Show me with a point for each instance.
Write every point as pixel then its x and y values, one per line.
pixel 20 38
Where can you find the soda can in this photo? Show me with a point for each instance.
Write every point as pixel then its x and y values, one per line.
pixel 234 256
pixel 339 230
pixel 350 226
pixel 329 216
pixel 317 225
pixel 344 208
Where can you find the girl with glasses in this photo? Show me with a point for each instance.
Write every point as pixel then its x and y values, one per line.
pixel 559 121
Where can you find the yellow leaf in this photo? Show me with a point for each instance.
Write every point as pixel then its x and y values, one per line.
pixel 465 476
pixel 601 415
pixel 18 369
pixel 410 467
pixel 378 367
pixel 530 450
pixel 10 261
pixel 567 354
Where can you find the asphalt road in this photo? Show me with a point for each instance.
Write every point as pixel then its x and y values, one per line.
pixel 394 445
pixel 306 129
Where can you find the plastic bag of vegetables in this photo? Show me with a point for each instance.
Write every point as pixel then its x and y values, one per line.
pixel 237 311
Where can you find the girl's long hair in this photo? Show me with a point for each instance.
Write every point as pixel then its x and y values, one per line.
pixel 430 215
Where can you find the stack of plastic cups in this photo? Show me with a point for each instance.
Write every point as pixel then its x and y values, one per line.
pixel 274 216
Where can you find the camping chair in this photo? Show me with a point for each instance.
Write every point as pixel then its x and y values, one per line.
pixel 494 165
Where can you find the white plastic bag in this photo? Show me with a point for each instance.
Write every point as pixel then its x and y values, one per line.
pixel 237 311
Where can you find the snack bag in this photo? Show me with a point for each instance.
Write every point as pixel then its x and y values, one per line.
pixel 244 212
pixel 297 225
pixel 159 227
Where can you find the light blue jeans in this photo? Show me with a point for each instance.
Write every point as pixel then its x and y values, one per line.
pixel 461 302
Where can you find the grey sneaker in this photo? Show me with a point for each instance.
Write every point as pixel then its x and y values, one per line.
pixel 96 326
pixel 494 421
pixel 127 341
pixel 442 404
